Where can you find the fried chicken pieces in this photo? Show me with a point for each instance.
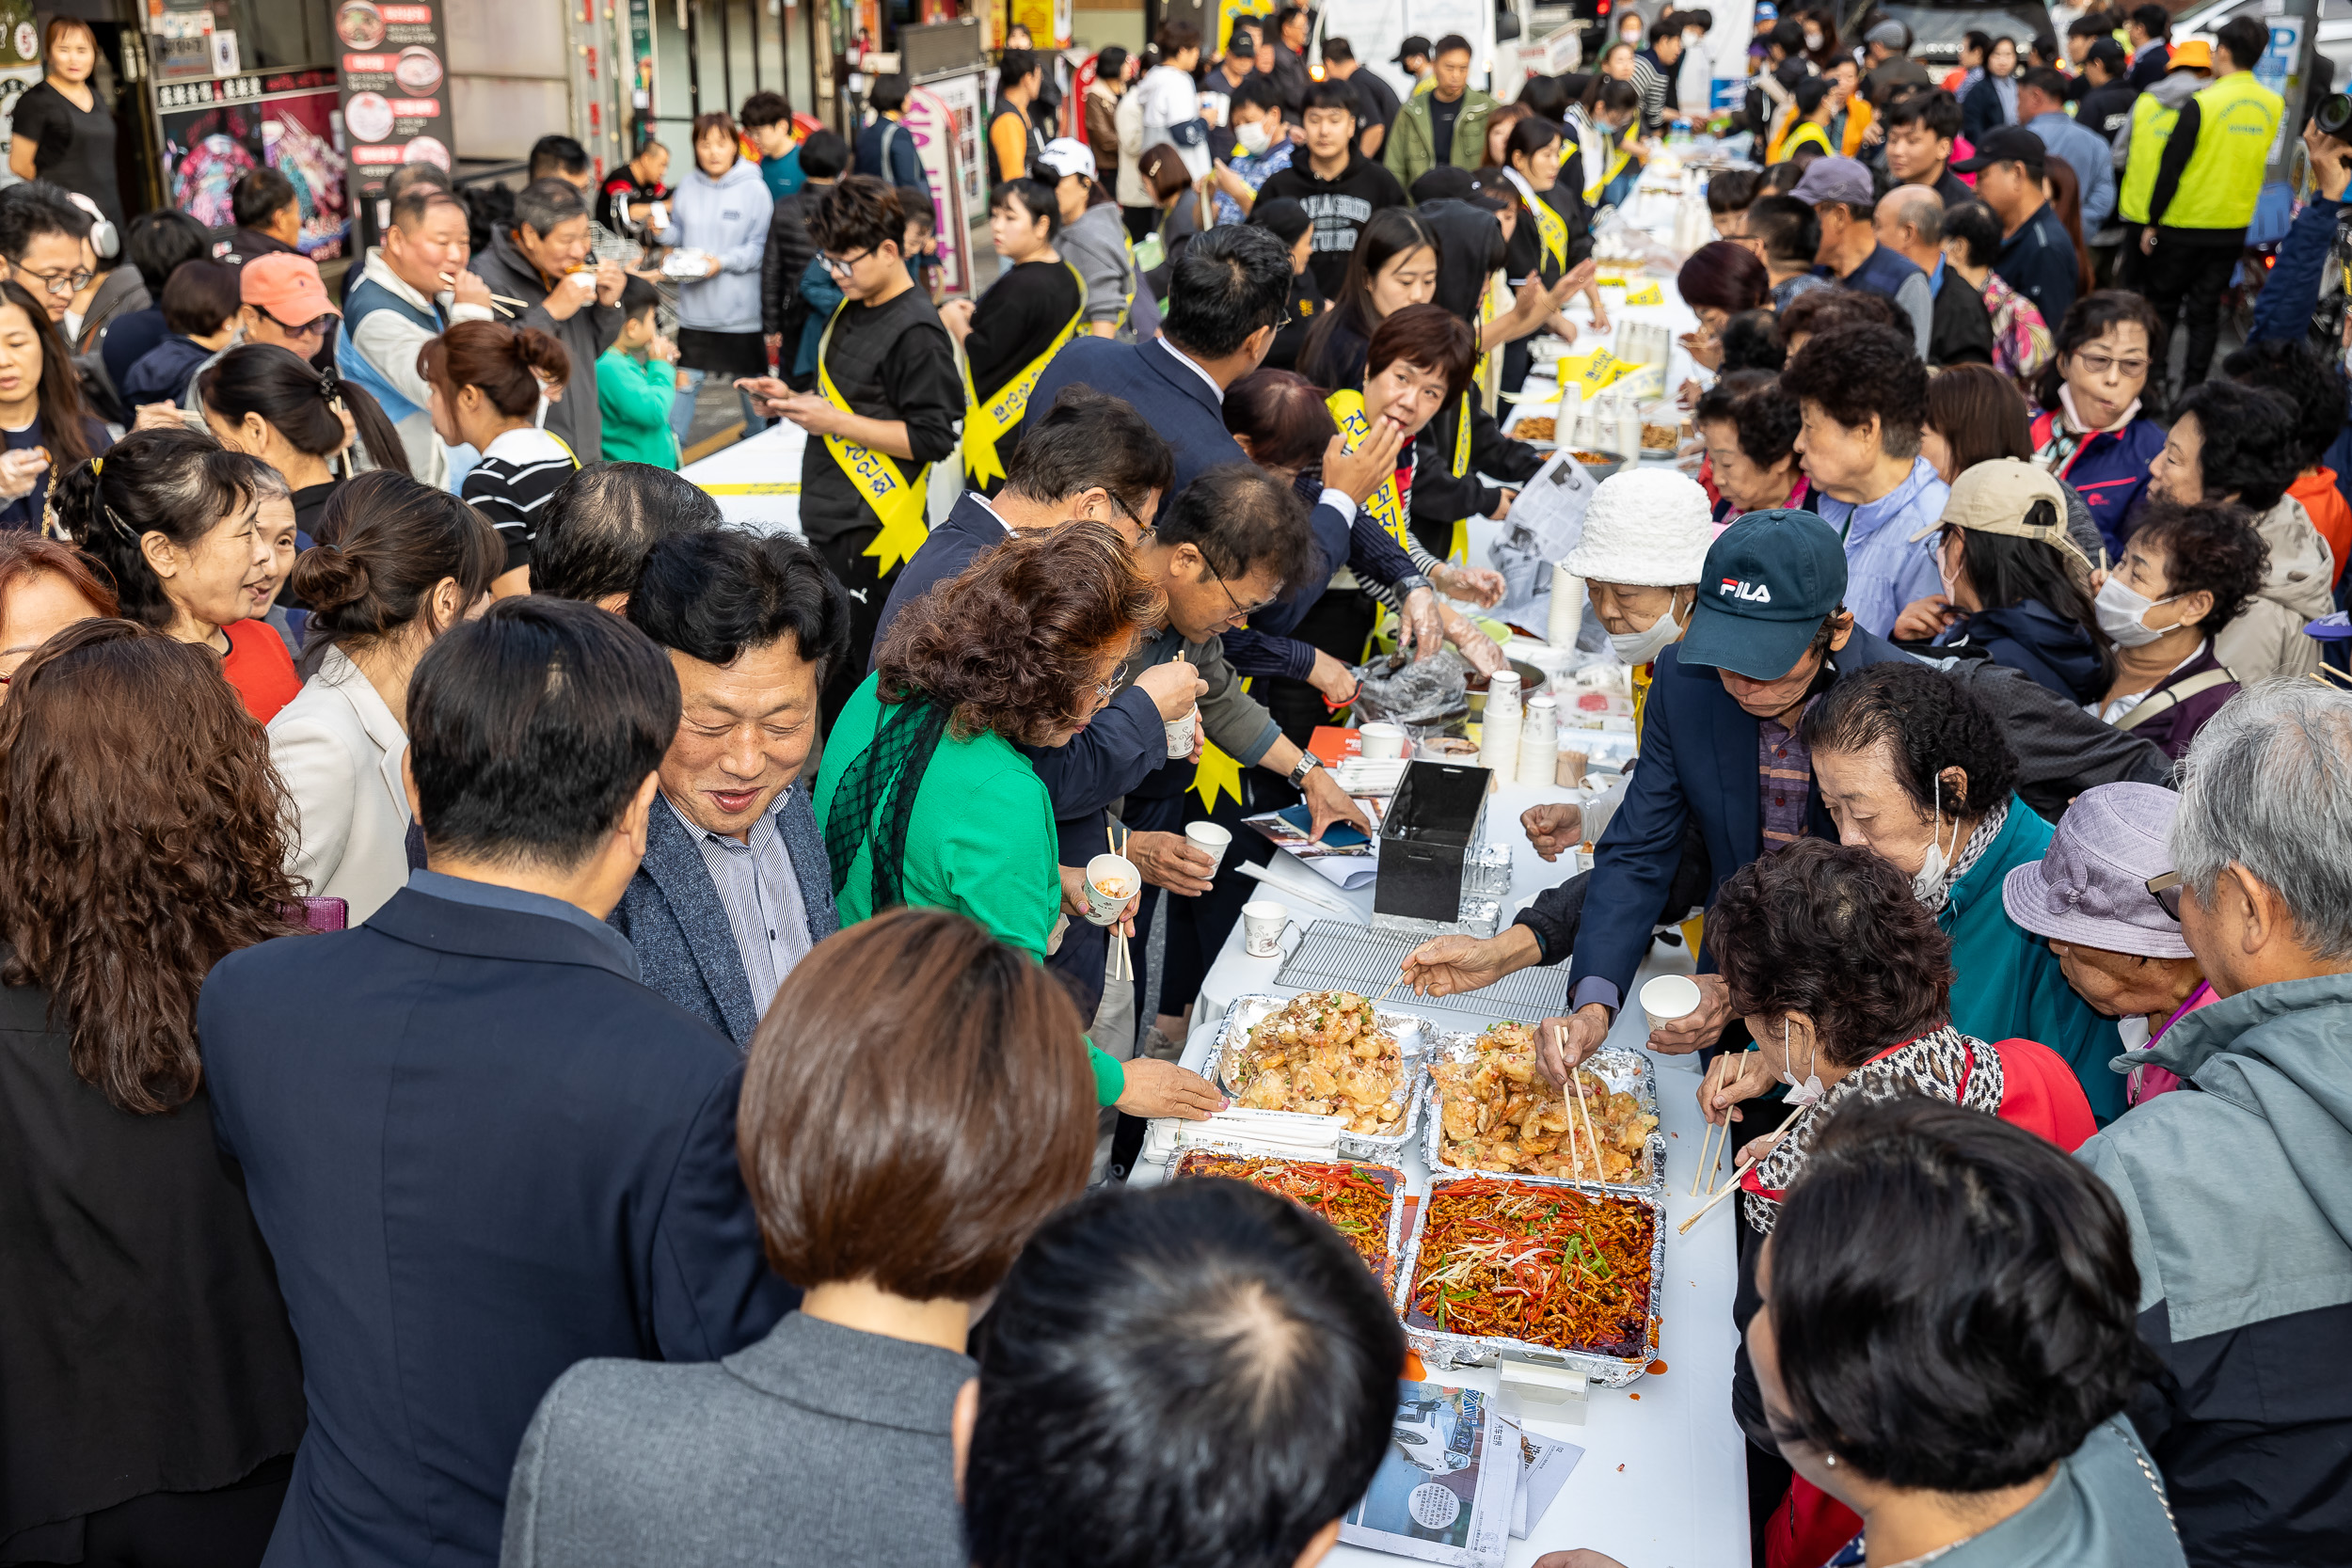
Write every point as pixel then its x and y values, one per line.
pixel 1498 1112
pixel 1325 1054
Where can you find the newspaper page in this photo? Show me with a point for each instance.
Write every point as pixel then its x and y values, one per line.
pixel 1444 1488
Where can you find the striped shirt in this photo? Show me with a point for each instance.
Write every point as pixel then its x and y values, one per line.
pixel 1785 772
pixel 510 487
pixel 761 894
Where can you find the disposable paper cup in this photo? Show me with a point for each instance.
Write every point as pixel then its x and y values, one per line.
pixel 1380 740
pixel 1262 922
pixel 1180 734
pixel 1211 840
pixel 1111 880
pixel 1669 999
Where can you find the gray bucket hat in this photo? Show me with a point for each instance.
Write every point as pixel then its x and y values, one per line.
pixel 2091 886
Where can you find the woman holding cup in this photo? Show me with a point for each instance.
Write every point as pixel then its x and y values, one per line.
pixel 925 797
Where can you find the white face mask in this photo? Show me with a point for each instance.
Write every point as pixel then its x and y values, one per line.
pixel 2120 609
pixel 1641 647
pixel 1927 883
pixel 1944 573
pixel 1809 1092
pixel 1253 137
pixel 1812 39
pixel 1631 36
pixel 1691 37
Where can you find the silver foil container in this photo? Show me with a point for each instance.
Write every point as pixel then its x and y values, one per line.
pixel 1624 1070
pixel 1393 1179
pixel 1412 1040
pixel 1444 1350
pixel 1486 873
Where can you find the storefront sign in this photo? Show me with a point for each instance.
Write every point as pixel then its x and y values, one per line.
pixel 395 107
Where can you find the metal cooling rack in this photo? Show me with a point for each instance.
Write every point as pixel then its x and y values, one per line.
pixel 1335 955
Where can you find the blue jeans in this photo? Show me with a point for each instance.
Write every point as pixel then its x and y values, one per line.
pixel 682 408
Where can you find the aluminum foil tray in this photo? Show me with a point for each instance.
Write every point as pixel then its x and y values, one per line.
pixel 1444 1350
pixel 1337 954
pixel 1625 1071
pixel 1389 1175
pixel 1413 1037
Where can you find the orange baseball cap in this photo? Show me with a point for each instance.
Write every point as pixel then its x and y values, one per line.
pixel 287 287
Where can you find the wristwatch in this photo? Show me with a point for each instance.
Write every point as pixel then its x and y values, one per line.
pixel 1308 762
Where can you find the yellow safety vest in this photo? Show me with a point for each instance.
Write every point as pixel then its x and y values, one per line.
pixel 1806 132
pixel 985 424
pixel 1385 506
pixel 2151 127
pixel 2237 119
pixel 896 499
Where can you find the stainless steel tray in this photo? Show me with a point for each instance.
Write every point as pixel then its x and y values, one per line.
pixel 1624 1070
pixel 1413 1036
pixel 1441 1350
pixel 1337 954
pixel 1394 1179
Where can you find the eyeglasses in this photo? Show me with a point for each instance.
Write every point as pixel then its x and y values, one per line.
pixel 1103 691
pixel 847 264
pixel 1239 612
pixel 2167 892
pixel 316 327
pixel 2099 364
pixel 55 283
pixel 1127 512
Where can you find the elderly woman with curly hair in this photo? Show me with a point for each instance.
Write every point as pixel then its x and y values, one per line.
pixel 154 1391
pixel 925 797
pixel 1915 770
pixel 1845 984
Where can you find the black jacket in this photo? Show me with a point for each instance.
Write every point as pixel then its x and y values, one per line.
pixel 2108 109
pixel 586 333
pixel 2053 652
pixel 1959 329
pixel 790 250
pixel 1440 499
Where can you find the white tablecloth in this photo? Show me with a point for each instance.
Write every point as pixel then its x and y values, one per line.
pixel 1662 1483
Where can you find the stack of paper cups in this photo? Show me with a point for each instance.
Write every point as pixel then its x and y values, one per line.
pixel 1567 610
pixel 1499 734
pixel 1539 741
pixel 1629 430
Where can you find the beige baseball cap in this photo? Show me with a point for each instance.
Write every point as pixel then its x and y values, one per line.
pixel 1996 495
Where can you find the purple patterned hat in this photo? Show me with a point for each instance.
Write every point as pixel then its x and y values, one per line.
pixel 2090 887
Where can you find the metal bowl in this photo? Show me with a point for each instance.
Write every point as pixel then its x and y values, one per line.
pixel 1610 462
pixel 1530 682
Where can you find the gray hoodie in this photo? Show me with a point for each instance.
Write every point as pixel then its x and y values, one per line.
pixel 2239 1209
pixel 1096 244
pixel 727 217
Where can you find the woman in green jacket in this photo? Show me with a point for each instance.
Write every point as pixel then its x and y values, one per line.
pixel 926 798
pixel 1914 769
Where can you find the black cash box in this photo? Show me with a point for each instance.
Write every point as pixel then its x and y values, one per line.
pixel 1436 818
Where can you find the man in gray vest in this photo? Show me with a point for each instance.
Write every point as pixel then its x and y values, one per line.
pixel 397 309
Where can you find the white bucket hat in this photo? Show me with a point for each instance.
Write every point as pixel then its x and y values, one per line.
pixel 1646 528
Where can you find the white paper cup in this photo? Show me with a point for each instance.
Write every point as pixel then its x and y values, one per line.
pixel 1380 740
pixel 1180 734
pixel 1668 999
pixel 1262 922
pixel 1118 873
pixel 1211 840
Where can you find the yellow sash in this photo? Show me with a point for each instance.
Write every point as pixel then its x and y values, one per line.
pixel 896 500
pixel 1385 506
pixel 985 424
pixel 1551 229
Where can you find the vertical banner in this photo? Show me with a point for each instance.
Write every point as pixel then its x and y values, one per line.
pixel 391 66
pixel 929 118
pixel 20 56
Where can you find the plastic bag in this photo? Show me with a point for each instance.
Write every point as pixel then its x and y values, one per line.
pixel 1420 693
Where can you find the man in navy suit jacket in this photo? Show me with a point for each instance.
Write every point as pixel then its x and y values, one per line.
pixel 480 1150
pixel 1226 296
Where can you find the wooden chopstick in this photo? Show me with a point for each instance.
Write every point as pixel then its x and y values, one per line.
pixel 1706 1139
pixel 1600 1172
pixel 1737 1176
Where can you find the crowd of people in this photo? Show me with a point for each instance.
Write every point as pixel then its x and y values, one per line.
pixel 546 1028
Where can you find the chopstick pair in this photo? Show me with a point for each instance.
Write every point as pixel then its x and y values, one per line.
pixel 1123 958
pixel 1718 1134
pixel 1600 1172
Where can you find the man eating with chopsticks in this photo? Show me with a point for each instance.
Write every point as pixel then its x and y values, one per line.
pixel 397 309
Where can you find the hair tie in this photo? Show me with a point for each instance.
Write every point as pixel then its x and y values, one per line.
pixel 330 384
pixel 97 466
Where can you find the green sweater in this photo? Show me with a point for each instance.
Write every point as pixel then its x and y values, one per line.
pixel 635 396
pixel 2008 985
pixel 980 841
